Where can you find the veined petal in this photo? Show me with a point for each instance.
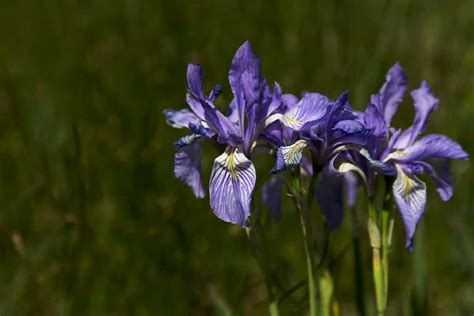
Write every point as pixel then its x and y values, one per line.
pixel 195 89
pixel 391 93
pixel 374 120
pixel 311 108
pixel 252 82
pixel 377 165
pixel 226 130
pixel 329 194
pixel 289 156
pixel 271 196
pixel 433 146
pixel 443 186
pixel 349 132
pixel 187 165
pixel 239 64
pixel 231 186
pixel 181 118
pixel 195 77
pixel 410 196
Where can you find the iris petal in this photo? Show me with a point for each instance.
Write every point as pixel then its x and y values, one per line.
pixel 180 118
pixel 187 166
pixel 271 196
pixel 433 146
pixel 391 93
pixel 329 194
pixel 289 156
pixel 310 109
pixel 425 103
pixel 410 196
pixel 231 186
pixel 443 186
pixel 195 77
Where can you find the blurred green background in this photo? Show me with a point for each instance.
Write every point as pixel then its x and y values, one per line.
pixel 92 221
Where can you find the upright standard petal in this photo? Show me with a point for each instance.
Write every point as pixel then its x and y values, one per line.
pixel 195 89
pixel 425 103
pixel 410 196
pixel 239 64
pixel 194 76
pixel 187 164
pixel 310 109
pixel 374 120
pixel 391 93
pixel 432 146
pixel 231 186
pixel 289 156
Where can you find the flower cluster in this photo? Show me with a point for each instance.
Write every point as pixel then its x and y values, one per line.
pixel 323 137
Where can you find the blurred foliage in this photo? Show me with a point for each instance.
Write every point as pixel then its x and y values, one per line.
pixel 92 221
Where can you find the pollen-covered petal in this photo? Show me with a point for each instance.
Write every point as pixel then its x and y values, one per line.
pixel 433 146
pixel 187 165
pixel 231 186
pixel 310 109
pixel 180 118
pixel 289 156
pixel 410 197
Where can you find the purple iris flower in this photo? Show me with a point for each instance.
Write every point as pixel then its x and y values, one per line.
pixel 233 174
pixel 404 154
pixel 328 129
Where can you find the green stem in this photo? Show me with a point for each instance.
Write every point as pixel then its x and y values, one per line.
pixel 358 265
pixel 377 267
pixel 386 230
pixel 302 206
pixel 262 260
pixel 306 228
pixel 380 227
pixel 326 289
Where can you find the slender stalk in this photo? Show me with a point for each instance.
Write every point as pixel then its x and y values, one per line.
pixel 380 227
pixel 358 265
pixel 262 261
pixel 326 288
pixel 306 228
pixel 377 268
pixel 301 204
pixel 386 227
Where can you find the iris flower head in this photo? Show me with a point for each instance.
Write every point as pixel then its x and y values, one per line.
pixel 406 154
pixel 233 174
